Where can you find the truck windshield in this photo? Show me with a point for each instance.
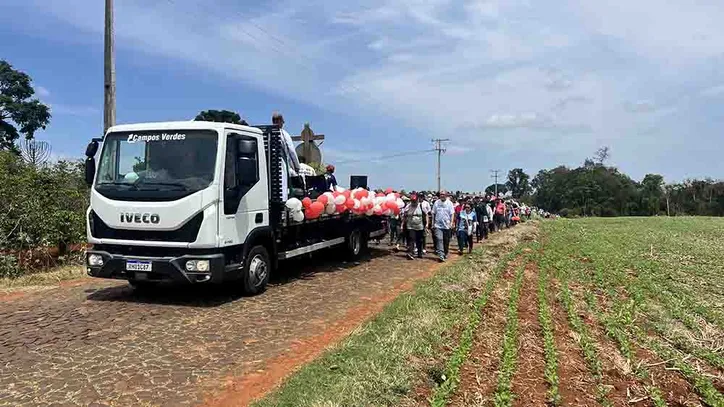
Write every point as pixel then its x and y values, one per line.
pixel 156 164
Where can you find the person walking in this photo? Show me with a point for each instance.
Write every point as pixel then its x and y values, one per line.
pixel 415 221
pixel 466 223
pixel 481 213
pixel 426 209
pixel 499 216
pixel 443 222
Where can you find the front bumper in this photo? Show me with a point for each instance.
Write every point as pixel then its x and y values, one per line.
pixel 163 269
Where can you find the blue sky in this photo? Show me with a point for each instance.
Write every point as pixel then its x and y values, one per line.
pixel 529 84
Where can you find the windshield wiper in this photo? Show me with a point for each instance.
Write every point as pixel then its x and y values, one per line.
pixel 127 184
pixel 166 184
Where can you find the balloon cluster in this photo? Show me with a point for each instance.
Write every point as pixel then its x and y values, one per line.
pixel 357 201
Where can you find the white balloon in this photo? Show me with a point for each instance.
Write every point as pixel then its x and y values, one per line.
pixel 330 209
pixel 391 197
pixel 330 196
pixel 388 212
pixel 298 216
pixel 357 204
pixel 339 200
pixel 370 212
pixel 294 204
pixel 340 189
pixel 400 203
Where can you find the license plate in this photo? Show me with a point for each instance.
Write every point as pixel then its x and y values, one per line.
pixel 135 265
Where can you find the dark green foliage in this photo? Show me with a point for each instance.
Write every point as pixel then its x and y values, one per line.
pixel 597 190
pixel 221 116
pixel 518 183
pixel 19 114
pixel 41 207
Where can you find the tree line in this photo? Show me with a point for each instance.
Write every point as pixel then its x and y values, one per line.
pixel 595 189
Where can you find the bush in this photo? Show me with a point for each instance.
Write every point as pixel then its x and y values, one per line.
pixel 9 266
pixel 41 207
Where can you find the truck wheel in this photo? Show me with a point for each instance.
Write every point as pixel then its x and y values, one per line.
pixel 256 270
pixel 355 244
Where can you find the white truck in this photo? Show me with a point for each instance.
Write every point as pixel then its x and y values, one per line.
pixel 201 202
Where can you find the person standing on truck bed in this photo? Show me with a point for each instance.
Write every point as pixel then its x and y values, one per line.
pixel 290 166
pixel 329 176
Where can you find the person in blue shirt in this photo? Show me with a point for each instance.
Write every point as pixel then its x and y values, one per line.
pixel 466 223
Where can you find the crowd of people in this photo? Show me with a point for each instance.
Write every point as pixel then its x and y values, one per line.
pixel 467 219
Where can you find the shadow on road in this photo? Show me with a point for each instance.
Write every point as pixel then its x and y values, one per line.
pixel 302 268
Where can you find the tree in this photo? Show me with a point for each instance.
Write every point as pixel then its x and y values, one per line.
pixel 19 114
pixel 602 155
pixel 35 153
pixel 518 183
pixel 652 191
pixel 221 116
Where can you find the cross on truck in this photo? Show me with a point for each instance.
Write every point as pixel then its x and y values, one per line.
pixel 201 203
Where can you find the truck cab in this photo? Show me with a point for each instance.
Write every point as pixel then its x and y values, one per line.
pixel 199 202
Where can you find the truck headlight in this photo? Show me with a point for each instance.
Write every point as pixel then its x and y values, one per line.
pixel 200 266
pixel 95 260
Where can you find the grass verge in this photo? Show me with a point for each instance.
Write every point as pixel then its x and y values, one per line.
pixel 43 279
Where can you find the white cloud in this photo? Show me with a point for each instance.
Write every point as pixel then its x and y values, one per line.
pixel 640 106
pixel 42 92
pixel 713 91
pixel 73 110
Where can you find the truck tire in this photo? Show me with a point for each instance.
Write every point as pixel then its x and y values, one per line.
pixel 255 274
pixel 354 244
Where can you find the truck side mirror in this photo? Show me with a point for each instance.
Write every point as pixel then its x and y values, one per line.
pixel 92 148
pixel 90 170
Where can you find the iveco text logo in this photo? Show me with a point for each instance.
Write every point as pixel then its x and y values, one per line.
pixel 128 217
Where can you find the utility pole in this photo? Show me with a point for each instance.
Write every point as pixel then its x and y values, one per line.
pixel 495 175
pixel 109 67
pixel 440 149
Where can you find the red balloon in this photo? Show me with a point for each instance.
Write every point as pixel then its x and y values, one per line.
pixel 323 200
pixel 397 195
pixel 362 193
pixel 306 202
pixel 347 193
pixel 380 195
pixel 388 190
pixel 390 205
pixel 341 208
pixel 336 194
pixel 349 203
pixel 316 209
pixel 396 210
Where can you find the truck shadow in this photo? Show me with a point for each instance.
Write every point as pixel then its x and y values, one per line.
pixel 303 268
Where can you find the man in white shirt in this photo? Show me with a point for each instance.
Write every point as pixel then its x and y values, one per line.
pixel 443 213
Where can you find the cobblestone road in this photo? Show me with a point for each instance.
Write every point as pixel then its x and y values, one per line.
pixel 101 344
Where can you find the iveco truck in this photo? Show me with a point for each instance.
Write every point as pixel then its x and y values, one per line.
pixel 200 203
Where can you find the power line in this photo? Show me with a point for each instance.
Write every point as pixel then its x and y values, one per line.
pixel 406 153
pixel 440 149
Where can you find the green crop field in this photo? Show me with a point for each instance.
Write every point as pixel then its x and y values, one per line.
pixel 587 312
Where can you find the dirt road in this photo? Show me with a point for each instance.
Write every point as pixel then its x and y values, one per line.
pixel 100 343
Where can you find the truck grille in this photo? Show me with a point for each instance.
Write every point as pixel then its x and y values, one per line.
pixel 186 233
